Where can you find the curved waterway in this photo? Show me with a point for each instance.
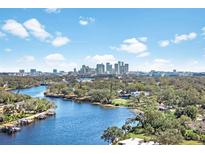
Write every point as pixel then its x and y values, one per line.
pixel 74 123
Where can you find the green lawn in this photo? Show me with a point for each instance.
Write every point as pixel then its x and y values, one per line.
pixel 120 102
pixel 141 136
pixel 145 137
pixel 191 142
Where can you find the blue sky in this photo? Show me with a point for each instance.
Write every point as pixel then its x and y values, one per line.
pixel 147 39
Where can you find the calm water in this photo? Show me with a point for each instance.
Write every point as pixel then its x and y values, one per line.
pixel 74 123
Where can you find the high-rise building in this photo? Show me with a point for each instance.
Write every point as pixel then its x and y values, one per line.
pixel 126 68
pixel 22 71
pixel 61 72
pixel 116 68
pixel 85 70
pixel 74 70
pixel 100 68
pixel 33 71
pixel 55 71
pixel 108 68
pixel 121 67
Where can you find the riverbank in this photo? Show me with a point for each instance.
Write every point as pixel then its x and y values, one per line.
pixel 106 105
pixel 28 120
pixel 91 102
pixel 25 87
pixel 85 99
pixel 137 111
pixel 70 121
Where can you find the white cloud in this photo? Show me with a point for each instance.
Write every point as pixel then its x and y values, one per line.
pixel 26 59
pixel 133 45
pixel 7 50
pixel 86 20
pixel 164 43
pixel 157 64
pixel 13 27
pixel 57 60
pixel 64 65
pixel 184 37
pixel 179 39
pixel 162 61
pixel 67 66
pixel 54 59
pixel 101 58
pixel 60 41
pixel 53 10
pixel 143 39
pixel 144 54
pixel 37 29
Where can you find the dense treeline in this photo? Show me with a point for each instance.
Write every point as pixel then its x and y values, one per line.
pixel 11 98
pixel 16 106
pixel 18 82
pixel 180 119
pixel 181 91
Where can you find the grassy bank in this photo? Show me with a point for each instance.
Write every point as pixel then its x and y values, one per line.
pixel 141 136
pixel 120 102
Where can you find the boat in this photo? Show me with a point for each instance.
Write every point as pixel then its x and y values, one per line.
pixel 23 122
pixel 10 129
pixel 17 129
pixel 50 113
pixel 41 117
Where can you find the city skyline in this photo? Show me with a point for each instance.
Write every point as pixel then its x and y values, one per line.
pixel 64 39
pixel 118 68
pixel 104 70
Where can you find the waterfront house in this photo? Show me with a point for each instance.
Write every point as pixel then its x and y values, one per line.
pixel 136 141
pixel 133 93
pixel 125 96
pixel 137 93
pixel 162 107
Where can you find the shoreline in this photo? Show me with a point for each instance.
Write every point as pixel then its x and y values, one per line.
pixel 84 100
pixel 77 99
pixel 31 119
pixel 74 98
pixel 26 87
pixel 135 111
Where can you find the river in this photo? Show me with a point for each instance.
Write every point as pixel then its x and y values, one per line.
pixel 74 123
